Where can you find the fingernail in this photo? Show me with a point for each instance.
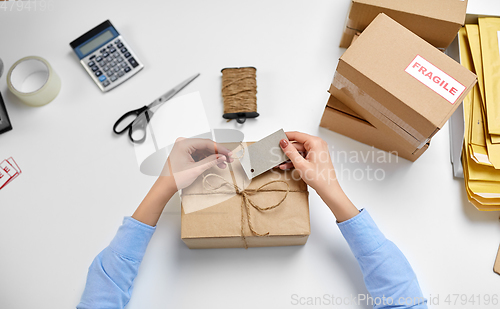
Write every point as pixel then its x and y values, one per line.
pixel 283 143
pixel 230 153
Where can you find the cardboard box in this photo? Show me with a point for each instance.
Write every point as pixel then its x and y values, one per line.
pixel 436 21
pixel 405 88
pixel 341 119
pixel 227 217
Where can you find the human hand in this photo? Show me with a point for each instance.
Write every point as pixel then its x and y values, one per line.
pixel 190 157
pixel 316 168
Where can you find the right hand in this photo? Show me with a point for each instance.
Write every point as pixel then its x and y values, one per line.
pixel 316 168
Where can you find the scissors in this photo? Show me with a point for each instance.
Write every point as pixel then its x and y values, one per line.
pixel 136 120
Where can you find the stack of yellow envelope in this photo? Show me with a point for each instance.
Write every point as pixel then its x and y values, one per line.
pixel 480 53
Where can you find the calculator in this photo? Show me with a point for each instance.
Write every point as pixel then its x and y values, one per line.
pixel 106 56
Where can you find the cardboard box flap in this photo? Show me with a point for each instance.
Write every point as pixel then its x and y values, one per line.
pixel 336 119
pixel 436 21
pixel 335 103
pixel 447 10
pixel 384 61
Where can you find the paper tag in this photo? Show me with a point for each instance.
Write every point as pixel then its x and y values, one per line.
pixel 438 81
pixel 263 155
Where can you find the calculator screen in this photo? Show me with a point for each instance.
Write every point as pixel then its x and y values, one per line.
pixel 98 41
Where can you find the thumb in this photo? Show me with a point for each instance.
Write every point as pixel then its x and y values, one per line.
pixel 292 153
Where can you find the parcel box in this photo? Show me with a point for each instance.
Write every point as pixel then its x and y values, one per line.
pixel 224 209
pixel 341 119
pixel 404 87
pixel 436 21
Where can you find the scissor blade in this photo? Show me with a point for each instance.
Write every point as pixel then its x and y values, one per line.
pixel 167 96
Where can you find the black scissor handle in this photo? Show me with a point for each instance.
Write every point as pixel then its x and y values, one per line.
pixel 135 113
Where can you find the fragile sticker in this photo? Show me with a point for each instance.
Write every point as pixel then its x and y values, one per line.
pixel 434 78
pixel 9 170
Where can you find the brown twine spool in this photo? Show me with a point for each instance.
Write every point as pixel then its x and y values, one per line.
pixel 239 92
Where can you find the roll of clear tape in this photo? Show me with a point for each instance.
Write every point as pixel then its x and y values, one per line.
pixel 33 81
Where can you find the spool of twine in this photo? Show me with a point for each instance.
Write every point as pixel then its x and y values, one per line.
pixel 239 92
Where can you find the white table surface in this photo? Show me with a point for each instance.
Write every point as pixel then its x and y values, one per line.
pixel 79 180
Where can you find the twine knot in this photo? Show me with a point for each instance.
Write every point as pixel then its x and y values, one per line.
pixel 246 202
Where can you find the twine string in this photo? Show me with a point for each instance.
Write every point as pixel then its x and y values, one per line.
pixel 245 194
pixel 246 201
pixel 239 90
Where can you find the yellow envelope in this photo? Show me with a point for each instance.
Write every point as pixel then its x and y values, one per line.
pixel 479 191
pixel 489 28
pixel 475 48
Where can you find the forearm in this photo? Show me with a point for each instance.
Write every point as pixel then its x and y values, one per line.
pixel 112 273
pixel 387 273
pixel 151 208
pixel 338 202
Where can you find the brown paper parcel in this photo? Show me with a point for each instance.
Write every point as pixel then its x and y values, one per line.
pixel 215 213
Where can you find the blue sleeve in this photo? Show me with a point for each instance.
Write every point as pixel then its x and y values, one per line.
pixel 388 276
pixel 111 275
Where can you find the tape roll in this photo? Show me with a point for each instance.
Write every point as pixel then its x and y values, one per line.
pixel 33 81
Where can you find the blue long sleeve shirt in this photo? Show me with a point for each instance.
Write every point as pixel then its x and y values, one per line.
pixel 388 276
pixel 111 275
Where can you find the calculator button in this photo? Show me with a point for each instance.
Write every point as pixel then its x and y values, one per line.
pixel 95 68
pixel 113 63
pixel 119 44
pixel 126 55
pixel 113 78
pixel 127 69
pixel 116 69
pixel 92 57
pixel 124 64
pixel 98 73
pixel 120 74
pixel 91 63
pixel 117 41
pixel 112 50
pixel 132 61
pixel 116 55
pixel 105 68
pixel 105 83
pixel 110 73
pixel 98 59
pixel 105 54
pixel 123 50
pixel 102 78
pixel 103 50
pixel 119 59
pixel 110 46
